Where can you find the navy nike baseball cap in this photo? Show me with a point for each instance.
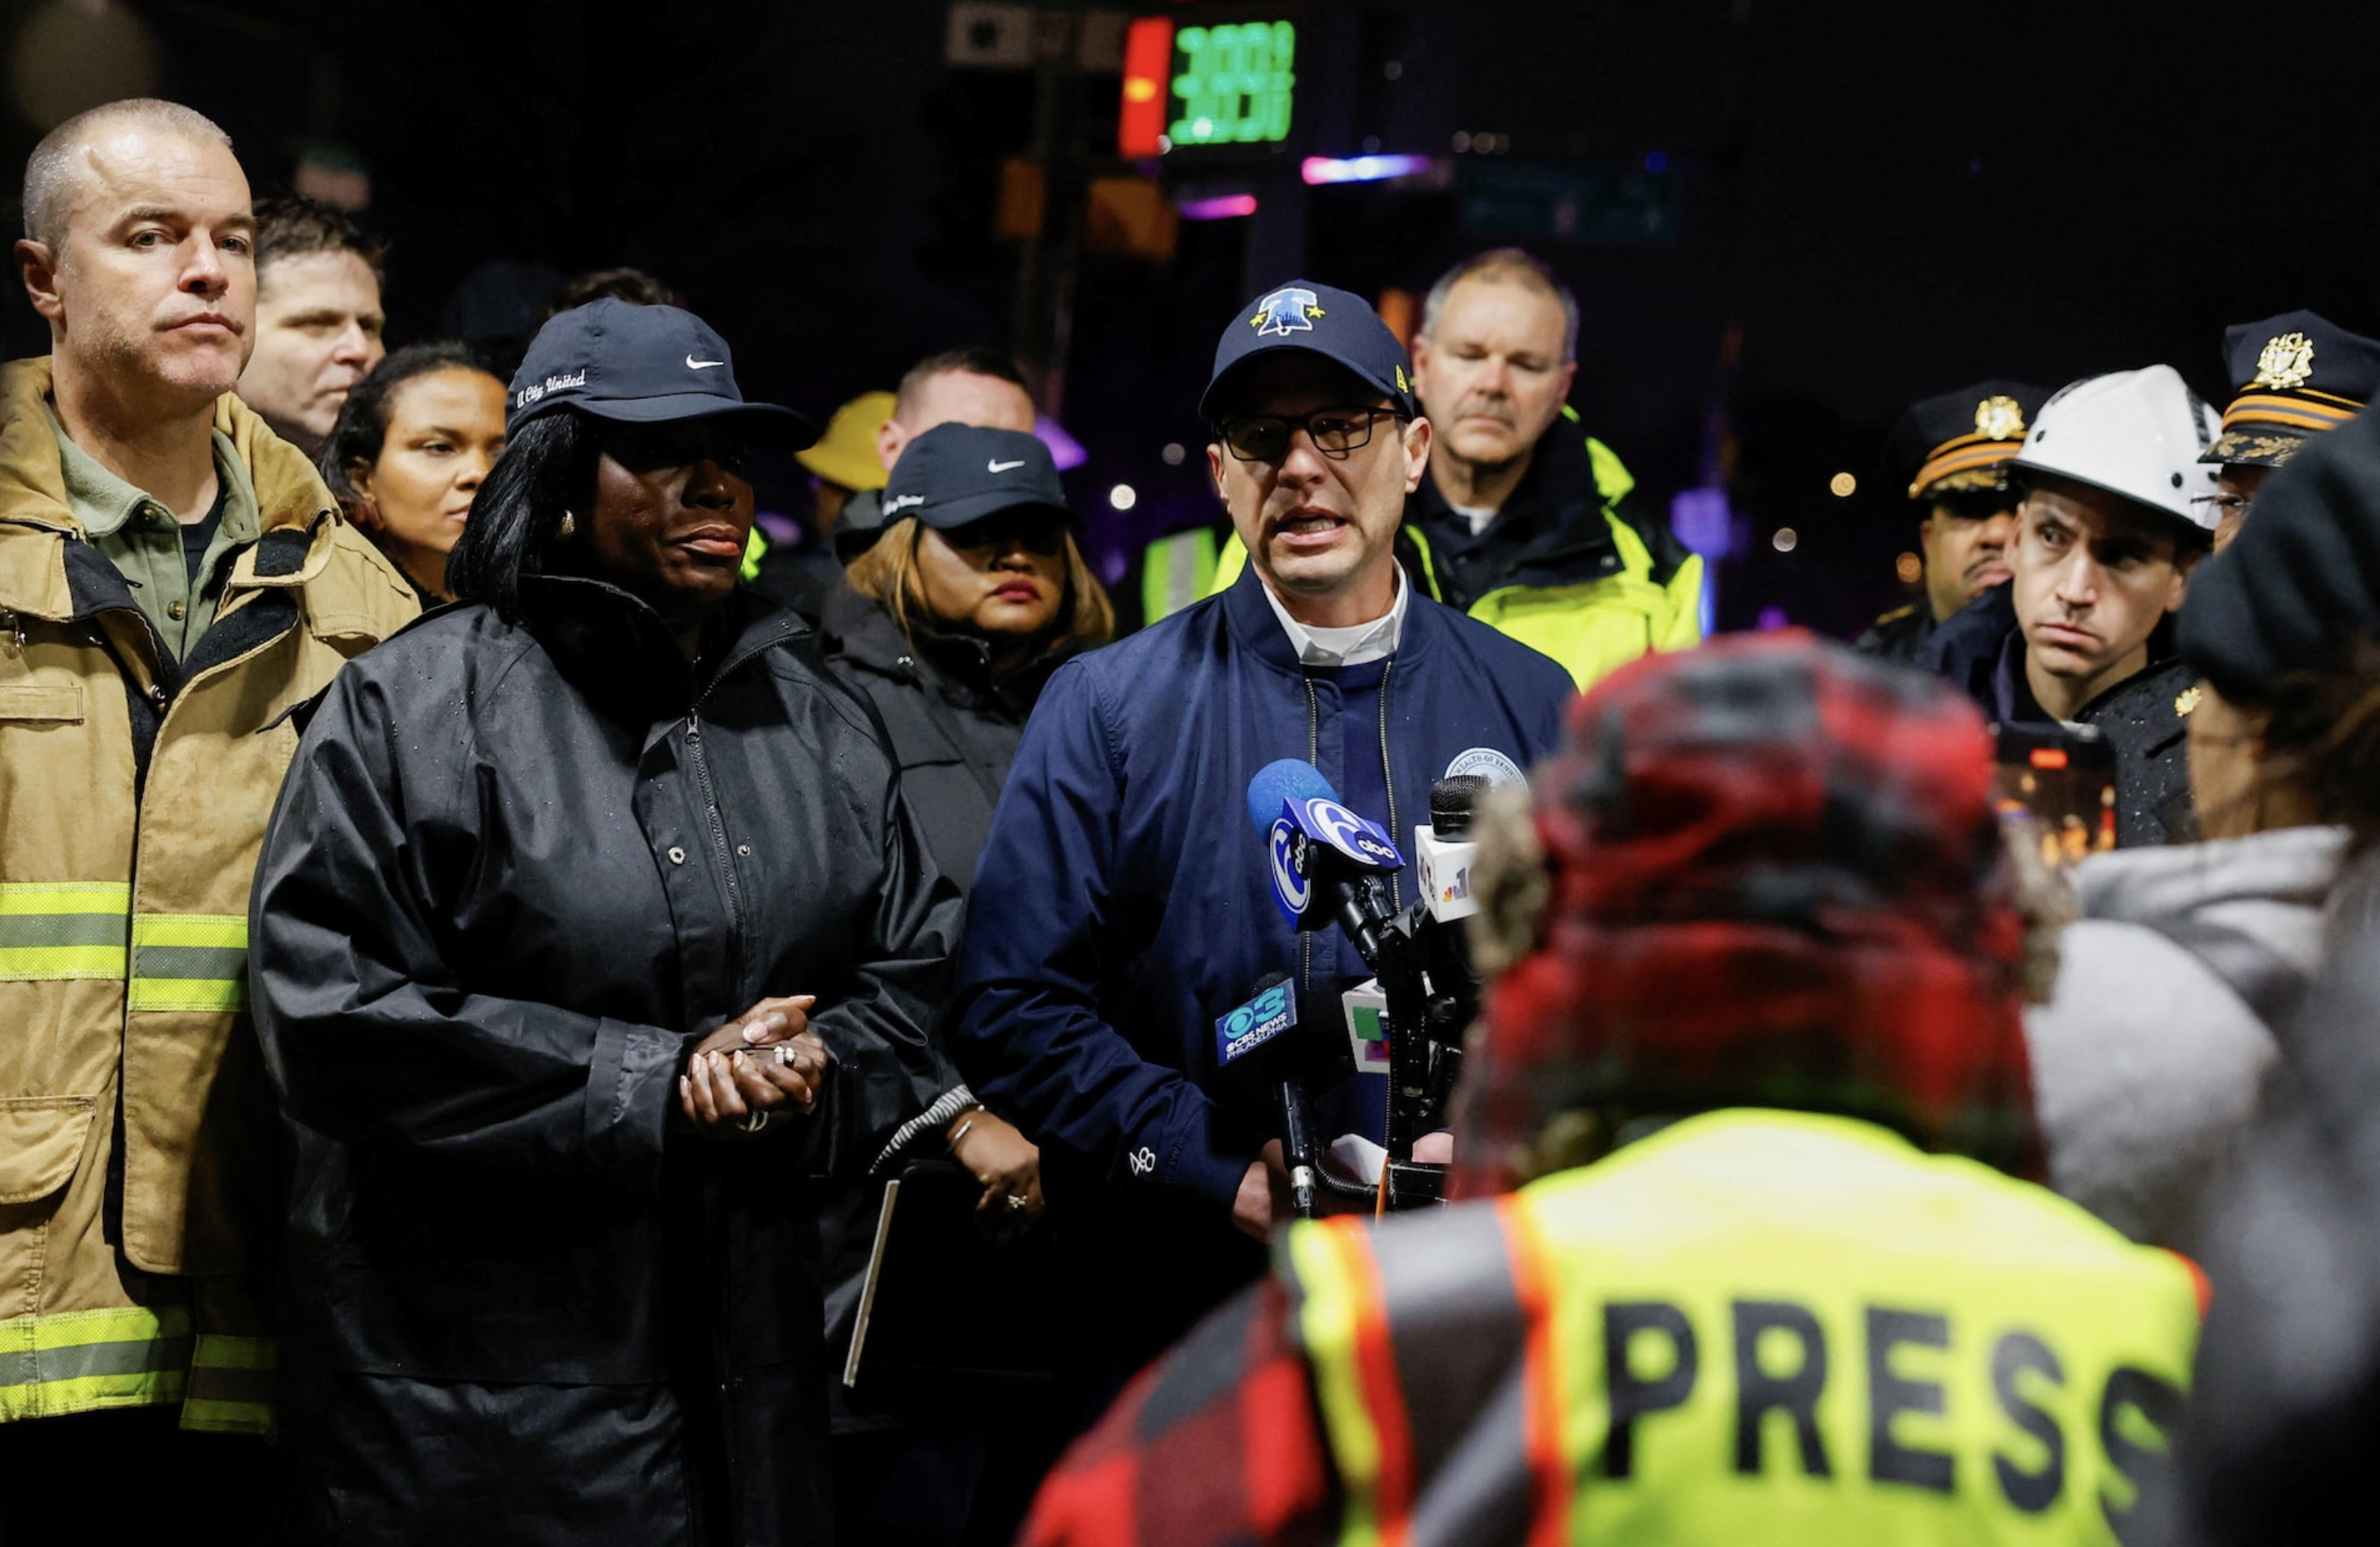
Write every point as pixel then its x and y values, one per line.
pixel 957 473
pixel 1339 325
pixel 643 365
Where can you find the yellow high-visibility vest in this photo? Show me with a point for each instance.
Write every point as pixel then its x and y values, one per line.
pixel 1753 1326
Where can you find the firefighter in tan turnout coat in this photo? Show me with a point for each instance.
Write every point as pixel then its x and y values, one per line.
pixel 164 624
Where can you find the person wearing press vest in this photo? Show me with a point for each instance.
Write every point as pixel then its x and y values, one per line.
pixel 1134 901
pixel 1745 1248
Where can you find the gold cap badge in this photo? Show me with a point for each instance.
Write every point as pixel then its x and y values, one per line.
pixel 2000 419
pixel 2287 361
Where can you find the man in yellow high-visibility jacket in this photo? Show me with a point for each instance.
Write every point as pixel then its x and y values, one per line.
pixel 1745 1253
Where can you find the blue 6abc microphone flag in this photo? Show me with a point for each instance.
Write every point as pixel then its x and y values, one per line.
pixel 1325 858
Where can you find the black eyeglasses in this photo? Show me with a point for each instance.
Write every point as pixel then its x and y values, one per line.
pixel 2232 505
pixel 1334 431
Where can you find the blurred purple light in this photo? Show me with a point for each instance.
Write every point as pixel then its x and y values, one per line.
pixel 1064 450
pixel 1228 206
pixel 1360 169
pixel 1773 617
pixel 1703 522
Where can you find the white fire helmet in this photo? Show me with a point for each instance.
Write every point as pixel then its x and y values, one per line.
pixel 2134 433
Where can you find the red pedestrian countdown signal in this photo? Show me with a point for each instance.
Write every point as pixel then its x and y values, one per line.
pixel 1226 84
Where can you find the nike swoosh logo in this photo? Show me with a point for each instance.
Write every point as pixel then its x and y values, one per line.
pixel 693 364
pixel 1002 467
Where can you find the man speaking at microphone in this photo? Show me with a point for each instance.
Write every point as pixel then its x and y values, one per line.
pixel 1126 905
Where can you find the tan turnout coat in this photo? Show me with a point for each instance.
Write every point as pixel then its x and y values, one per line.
pixel 137 1196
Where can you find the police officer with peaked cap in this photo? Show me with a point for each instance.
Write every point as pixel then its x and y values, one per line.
pixel 2299 375
pixel 1949 454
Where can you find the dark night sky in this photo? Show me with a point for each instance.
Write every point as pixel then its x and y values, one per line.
pixel 1886 202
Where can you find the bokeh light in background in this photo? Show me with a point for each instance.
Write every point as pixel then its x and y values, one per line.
pixel 834 211
pixel 71 55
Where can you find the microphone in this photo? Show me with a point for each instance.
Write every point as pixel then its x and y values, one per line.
pixel 1253 1043
pixel 1326 860
pixel 1445 849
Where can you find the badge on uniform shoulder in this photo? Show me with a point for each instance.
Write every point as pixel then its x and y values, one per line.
pixel 1488 763
pixel 2287 361
pixel 2000 419
pixel 2186 700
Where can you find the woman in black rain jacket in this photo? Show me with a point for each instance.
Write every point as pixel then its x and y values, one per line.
pixel 590 925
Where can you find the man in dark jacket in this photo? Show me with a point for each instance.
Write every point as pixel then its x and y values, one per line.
pixel 1525 521
pixel 1951 454
pixel 2109 525
pixel 1130 897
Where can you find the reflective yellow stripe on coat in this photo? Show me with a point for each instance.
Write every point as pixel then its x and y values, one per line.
pixel 231 1385
pixel 52 932
pixel 78 1361
pixel 189 962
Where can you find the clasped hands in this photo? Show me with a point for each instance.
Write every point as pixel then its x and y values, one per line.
pixel 760 1062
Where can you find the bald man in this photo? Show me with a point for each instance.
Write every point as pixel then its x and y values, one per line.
pixel 174 591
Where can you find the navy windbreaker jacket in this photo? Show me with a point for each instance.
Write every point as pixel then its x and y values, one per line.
pixel 1124 901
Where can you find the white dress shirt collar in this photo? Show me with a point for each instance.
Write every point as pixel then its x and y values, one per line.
pixel 1351 645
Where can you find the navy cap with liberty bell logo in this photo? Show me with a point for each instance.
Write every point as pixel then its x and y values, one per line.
pixel 957 473
pixel 1316 320
pixel 642 365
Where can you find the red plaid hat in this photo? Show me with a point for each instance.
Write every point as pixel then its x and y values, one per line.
pixel 1775 879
